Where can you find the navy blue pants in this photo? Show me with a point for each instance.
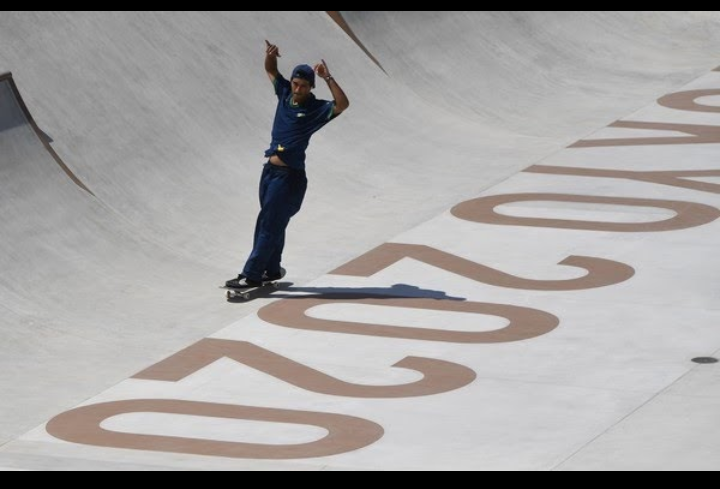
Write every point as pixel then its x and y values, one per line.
pixel 282 191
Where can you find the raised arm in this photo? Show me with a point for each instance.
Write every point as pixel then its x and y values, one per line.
pixel 272 53
pixel 341 100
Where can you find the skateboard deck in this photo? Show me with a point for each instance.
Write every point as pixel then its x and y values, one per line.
pixel 251 292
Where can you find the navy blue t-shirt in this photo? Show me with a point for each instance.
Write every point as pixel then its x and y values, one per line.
pixel 295 124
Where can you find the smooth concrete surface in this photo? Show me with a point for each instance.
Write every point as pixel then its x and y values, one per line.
pixel 640 441
pixel 540 73
pixel 164 118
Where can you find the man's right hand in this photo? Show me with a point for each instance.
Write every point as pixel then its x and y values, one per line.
pixel 272 50
pixel 272 53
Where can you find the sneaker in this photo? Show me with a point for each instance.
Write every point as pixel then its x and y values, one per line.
pixel 272 277
pixel 242 282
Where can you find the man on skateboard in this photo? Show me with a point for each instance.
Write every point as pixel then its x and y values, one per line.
pixel 283 184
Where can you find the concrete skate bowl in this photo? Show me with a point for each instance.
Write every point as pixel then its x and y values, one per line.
pixel 129 194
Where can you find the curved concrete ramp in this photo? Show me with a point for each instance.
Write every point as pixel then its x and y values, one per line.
pixel 448 311
pixel 80 289
pixel 541 73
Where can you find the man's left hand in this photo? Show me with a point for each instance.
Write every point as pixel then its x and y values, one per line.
pixel 322 69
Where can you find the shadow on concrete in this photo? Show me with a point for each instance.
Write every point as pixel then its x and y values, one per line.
pixel 397 291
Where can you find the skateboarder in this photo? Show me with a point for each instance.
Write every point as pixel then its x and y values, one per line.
pixel 283 184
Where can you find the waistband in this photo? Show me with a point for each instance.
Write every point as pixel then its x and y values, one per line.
pixel 285 169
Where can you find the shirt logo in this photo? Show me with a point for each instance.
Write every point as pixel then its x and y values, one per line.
pixel 301 114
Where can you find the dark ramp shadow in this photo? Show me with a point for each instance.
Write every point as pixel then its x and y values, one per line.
pixel 44 137
pixel 14 113
pixel 340 21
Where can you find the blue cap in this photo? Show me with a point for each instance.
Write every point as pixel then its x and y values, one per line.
pixel 305 72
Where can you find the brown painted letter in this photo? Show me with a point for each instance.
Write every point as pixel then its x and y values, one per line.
pixel 671 178
pixel 698 135
pixel 82 425
pixel 524 323
pixel 439 376
pixel 689 215
pixel 687 100
pixel 601 273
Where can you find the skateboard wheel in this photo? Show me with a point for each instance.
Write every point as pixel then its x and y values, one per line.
pixel 246 297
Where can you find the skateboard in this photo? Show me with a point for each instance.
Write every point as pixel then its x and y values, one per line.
pixel 248 293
